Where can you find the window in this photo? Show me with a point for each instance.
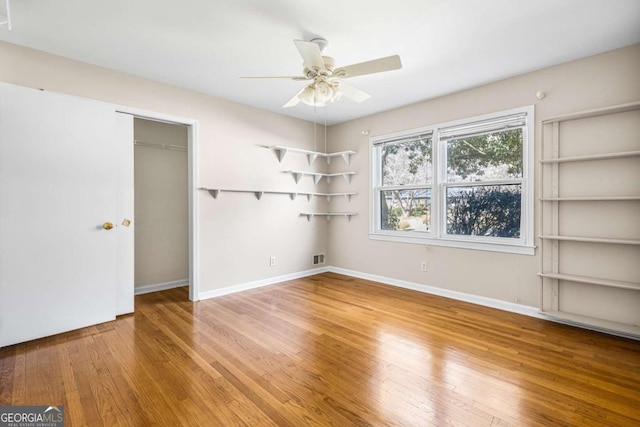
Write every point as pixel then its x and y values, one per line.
pixel 465 184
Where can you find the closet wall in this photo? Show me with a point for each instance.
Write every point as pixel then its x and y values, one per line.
pixel 161 205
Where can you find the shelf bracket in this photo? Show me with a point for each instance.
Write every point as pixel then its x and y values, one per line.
pixel 317 178
pixel 259 194
pixel 293 195
pixel 347 178
pixel 280 152
pixel 312 158
pixel 308 216
pixel 214 193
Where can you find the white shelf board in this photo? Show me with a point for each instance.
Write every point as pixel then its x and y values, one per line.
pixel 590 199
pixel 215 192
pixel 592 240
pixel 328 215
pixel 594 113
pixel 317 176
pixel 601 324
pixel 590 157
pixel 312 155
pixel 593 281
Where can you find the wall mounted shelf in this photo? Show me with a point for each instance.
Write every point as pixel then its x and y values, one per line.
pixel 328 215
pixel 215 192
pixel 590 199
pixel 312 155
pixel 592 280
pixel 592 240
pixel 591 157
pixel 317 176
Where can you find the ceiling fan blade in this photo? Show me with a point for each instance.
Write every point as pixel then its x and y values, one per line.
pixel 352 93
pixel 369 67
pixel 310 53
pixel 295 78
pixel 295 100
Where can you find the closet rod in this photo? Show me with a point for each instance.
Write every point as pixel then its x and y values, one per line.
pixel 160 146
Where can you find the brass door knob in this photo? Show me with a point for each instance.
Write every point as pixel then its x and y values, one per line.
pixel 107 226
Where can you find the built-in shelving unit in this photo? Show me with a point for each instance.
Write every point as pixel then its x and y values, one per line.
pixel 552 215
pixel 312 155
pixel 328 215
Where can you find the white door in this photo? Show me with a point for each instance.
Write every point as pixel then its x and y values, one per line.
pixel 58 187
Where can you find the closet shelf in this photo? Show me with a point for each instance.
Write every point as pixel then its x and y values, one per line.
pixel 592 281
pixel 594 322
pixel 317 176
pixel 591 240
pixel 215 192
pixel 312 155
pixel 310 215
pixel 605 156
pixel 590 199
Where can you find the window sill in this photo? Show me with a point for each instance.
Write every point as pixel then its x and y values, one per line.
pixel 480 246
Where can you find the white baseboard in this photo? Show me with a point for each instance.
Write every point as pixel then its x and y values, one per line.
pixel 145 289
pixel 460 296
pixel 260 283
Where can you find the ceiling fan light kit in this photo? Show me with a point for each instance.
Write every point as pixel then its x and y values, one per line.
pixel 327 81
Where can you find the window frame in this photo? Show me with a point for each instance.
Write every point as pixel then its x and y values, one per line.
pixel 437 236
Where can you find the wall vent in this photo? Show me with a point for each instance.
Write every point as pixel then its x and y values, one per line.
pixel 318 259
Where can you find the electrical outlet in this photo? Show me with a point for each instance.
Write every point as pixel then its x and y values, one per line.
pixel 423 266
pixel 272 261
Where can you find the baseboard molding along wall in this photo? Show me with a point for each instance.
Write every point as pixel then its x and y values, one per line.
pixel 474 299
pixel 260 283
pixel 460 296
pixel 145 289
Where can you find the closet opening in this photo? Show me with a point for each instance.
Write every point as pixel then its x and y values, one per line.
pixel 161 203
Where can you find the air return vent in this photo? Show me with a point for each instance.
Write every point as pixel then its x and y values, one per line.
pixel 318 259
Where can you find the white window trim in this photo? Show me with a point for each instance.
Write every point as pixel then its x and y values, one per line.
pixel 437 235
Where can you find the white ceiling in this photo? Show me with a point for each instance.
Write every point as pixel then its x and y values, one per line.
pixel 205 45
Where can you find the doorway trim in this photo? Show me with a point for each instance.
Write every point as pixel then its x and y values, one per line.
pixel 192 187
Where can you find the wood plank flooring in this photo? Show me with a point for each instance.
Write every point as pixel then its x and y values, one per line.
pixel 327 350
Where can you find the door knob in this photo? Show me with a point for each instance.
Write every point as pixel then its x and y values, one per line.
pixel 107 226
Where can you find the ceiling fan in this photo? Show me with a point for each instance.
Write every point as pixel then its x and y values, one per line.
pixel 327 81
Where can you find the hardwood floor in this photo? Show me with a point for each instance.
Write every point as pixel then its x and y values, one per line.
pixel 326 350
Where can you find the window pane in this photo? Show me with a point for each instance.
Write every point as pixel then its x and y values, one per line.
pixel 496 155
pixel 407 162
pixel 484 210
pixel 408 210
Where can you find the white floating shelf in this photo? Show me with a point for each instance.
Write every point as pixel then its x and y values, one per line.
pixel 317 176
pixel 606 156
pixel 592 281
pixel 590 199
pixel 592 240
pixel 215 192
pixel 312 155
pixel 328 215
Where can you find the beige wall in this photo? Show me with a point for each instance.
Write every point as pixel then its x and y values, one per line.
pixel 238 233
pixel 602 80
pixel 161 204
